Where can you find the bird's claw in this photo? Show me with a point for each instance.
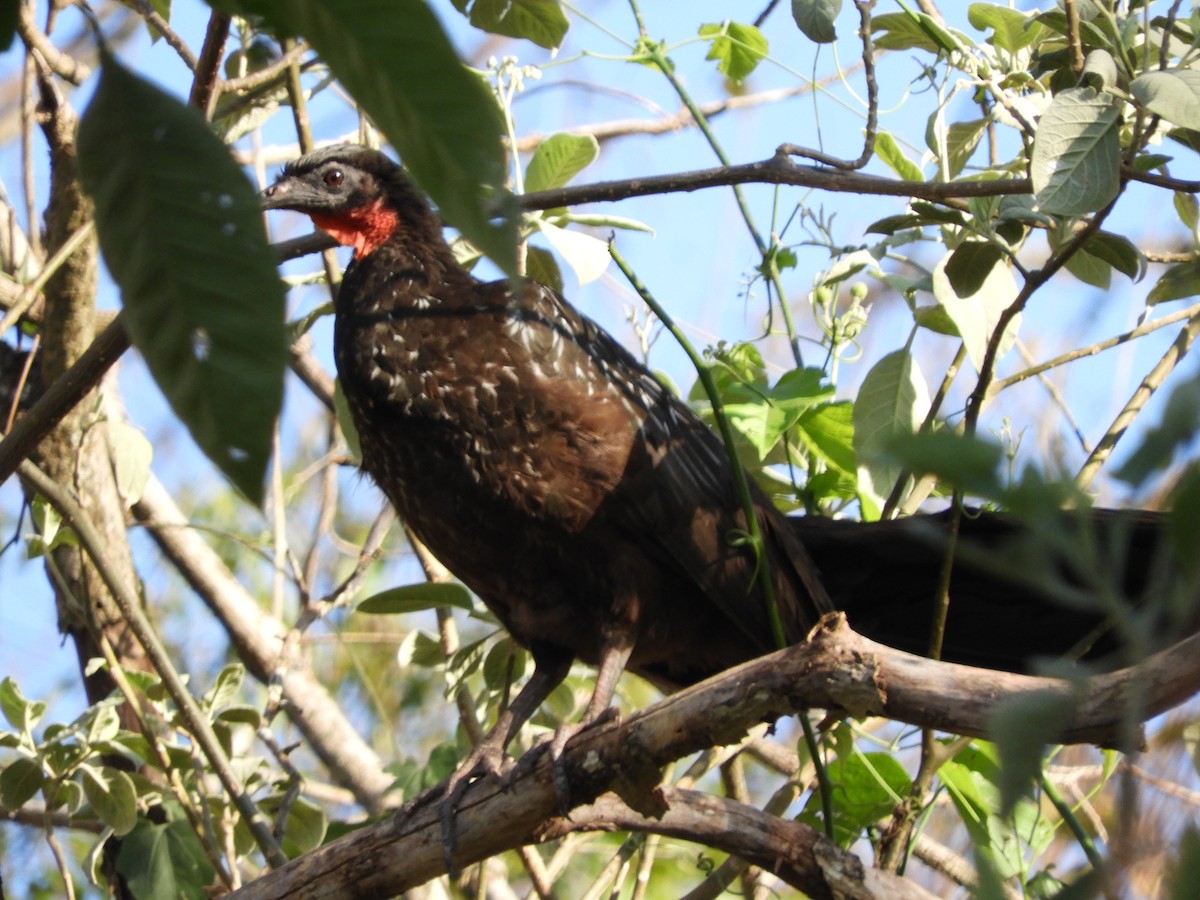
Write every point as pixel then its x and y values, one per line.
pixel 487 758
pixel 557 743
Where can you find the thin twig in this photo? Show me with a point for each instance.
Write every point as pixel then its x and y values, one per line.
pixel 125 598
pixel 1152 382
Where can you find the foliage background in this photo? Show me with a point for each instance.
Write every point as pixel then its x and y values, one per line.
pixel 699 262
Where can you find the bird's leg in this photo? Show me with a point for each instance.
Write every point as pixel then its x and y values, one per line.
pixel 487 757
pixel 613 658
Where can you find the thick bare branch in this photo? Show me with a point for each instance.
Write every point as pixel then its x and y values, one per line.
pixel 836 669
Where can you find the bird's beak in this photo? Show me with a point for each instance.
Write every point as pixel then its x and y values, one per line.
pixel 288 193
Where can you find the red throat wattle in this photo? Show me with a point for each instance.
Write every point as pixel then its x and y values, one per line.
pixel 363 228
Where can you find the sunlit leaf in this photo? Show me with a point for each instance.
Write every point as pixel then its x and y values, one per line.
pixel 415 597
pixel 1076 153
pixel 558 159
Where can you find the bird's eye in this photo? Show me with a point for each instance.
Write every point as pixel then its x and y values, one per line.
pixel 334 177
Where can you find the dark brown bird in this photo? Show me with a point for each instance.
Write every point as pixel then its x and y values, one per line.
pixel 588 507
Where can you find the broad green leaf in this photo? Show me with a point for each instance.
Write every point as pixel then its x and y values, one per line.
pixel 815 19
pixel 504 664
pixel 828 431
pixel 961 140
pixel 1021 726
pixel 165 860
pixel 224 689
pixel 542 267
pixel 1118 252
pixel 1099 70
pixel 399 65
pixel 913 30
pixel 8 24
pixel 587 256
pixel 103 723
pixel 1173 94
pixel 1012 29
pixel 866 788
pixel 1179 282
pixel 889 151
pixel 182 235
pixel 965 462
pixel 112 796
pixel 974 286
pixel 1183 518
pixel 737 48
pixel 21 714
pixel 558 159
pixel 19 781
pixel 305 826
pixel 419 649
pixel 1076 153
pixel 415 597
pixel 540 21
pixel 893 400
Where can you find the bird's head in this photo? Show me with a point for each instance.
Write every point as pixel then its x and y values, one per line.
pixel 356 194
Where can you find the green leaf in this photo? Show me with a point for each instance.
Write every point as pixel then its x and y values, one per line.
pixel 913 31
pixel 558 159
pixel 1076 153
pixel 974 286
pixel 19 781
pixel 889 151
pixel 305 827
pixel 1021 726
pixel 416 597
pixel 225 688
pixel 1173 94
pixel 21 714
pixel 866 788
pixel 165 860
pixel 1185 872
pixel 112 796
pixel 1118 252
pixel 182 234
pixel 419 649
pixel 828 431
pixel 961 140
pixel 8 24
pixel 587 256
pixel 603 220
pixel 737 48
pixel 969 463
pixel 816 17
pixel 504 664
pixel 893 400
pixel 1179 282
pixel 1012 30
pixel 397 62
pixel 132 454
pixel 542 267
pixel 540 21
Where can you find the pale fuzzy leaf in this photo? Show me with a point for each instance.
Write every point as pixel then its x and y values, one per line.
pixel 977 314
pixel 587 256
pixel 1076 154
pixel 893 400
pixel 1173 94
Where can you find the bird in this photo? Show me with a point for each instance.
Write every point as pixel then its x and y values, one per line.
pixel 588 507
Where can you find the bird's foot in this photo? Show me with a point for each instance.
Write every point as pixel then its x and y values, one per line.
pixel 558 744
pixel 486 758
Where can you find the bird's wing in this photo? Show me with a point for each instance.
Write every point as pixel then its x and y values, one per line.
pixel 676 493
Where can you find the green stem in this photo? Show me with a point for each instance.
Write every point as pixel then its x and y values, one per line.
pixel 1068 815
pixel 766 250
pixel 741 483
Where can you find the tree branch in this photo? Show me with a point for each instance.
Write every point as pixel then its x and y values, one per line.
pixel 836 669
